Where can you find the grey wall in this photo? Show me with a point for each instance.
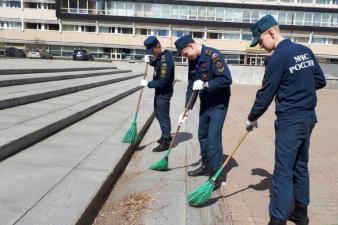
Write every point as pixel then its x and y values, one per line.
pixel 241 74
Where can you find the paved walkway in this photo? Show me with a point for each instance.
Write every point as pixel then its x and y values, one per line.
pixel 244 198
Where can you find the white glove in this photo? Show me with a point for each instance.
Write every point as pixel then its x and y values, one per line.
pixel 144 83
pixel 198 85
pixel 147 58
pixel 181 119
pixel 250 125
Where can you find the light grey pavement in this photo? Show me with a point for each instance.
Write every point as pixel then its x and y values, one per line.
pixel 8 63
pixel 24 134
pixel 244 198
pixel 167 189
pixel 54 181
pixel 18 115
pixel 13 96
pixel 19 79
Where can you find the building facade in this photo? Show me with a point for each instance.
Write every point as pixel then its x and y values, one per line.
pixel 116 29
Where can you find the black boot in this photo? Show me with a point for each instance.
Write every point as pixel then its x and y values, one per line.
pixel 299 215
pixel 162 146
pixel 276 222
pixel 163 139
pixel 203 170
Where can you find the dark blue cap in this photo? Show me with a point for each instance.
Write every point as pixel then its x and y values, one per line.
pixel 263 24
pixel 149 43
pixel 183 42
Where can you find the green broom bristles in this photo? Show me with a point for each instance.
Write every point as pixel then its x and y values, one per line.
pixel 161 165
pixel 201 194
pixel 131 135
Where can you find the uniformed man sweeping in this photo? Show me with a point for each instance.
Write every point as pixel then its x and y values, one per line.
pixel 208 74
pixel 292 77
pixel 163 78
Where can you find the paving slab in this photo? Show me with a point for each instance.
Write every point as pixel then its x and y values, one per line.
pixel 244 197
pixel 20 79
pixel 79 156
pixel 167 189
pixel 27 93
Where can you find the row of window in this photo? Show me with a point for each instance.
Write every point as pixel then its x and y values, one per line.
pixel 233 35
pixel 33 4
pixel 138 54
pixel 185 12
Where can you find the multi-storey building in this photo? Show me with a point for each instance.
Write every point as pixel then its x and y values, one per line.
pixel 116 29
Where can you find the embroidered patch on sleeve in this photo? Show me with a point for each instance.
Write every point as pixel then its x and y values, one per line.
pixel 163 70
pixel 219 65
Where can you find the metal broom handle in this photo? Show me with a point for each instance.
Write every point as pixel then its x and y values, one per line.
pixel 184 113
pixel 139 97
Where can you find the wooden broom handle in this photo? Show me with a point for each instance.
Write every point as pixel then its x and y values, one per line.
pixel 186 109
pixel 139 97
pixel 234 149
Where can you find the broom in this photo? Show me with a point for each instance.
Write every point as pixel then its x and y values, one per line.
pixel 202 194
pixel 162 165
pixel 131 135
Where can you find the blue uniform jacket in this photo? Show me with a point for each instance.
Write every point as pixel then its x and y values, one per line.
pixel 293 75
pixel 210 67
pixel 164 74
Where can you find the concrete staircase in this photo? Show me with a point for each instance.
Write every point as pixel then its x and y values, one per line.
pixel 60 141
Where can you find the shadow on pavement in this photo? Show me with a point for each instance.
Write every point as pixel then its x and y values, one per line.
pixel 263 185
pixel 181 137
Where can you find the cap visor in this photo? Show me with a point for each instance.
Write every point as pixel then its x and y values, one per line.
pixel 149 51
pixel 255 41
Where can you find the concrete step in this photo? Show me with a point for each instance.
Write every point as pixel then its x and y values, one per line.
pixel 29 131
pixel 66 175
pixel 20 114
pixel 23 94
pixel 19 79
pixel 52 70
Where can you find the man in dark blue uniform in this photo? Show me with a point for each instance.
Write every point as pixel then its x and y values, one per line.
pixel 292 77
pixel 163 78
pixel 208 74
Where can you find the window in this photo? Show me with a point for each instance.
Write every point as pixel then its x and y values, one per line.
pixel 161 33
pixel 165 11
pixel 129 9
pixel 51 26
pixel 230 36
pixel 197 34
pixel 214 35
pixel 124 30
pixel 246 15
pixel 211 13
pixel 301 40
pixel 10 25
pixel 179 33
pixel 68 27
pixel 175 12
pixel 184 12
pixel 156 10
pixel 247 37
pixel 33 26
pixel 106 29
pixel 219 14
pixel 10 4
pixel 319 40
pixel 193 12
pixel 142 31
pixel 202 13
